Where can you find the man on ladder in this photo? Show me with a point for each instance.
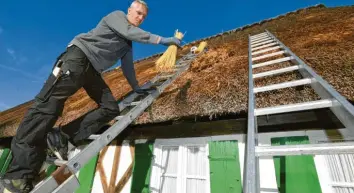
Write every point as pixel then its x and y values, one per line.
pixel 81 65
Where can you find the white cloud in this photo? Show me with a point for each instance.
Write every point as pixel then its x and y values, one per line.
pixel 26 74
pixel 11 52
pixel 17 57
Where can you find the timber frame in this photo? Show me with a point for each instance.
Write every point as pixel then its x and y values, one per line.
pixel 110 186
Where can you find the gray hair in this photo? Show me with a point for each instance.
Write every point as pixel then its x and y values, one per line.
pixel 141 2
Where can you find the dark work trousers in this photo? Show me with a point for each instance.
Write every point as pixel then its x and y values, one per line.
pixel 29 144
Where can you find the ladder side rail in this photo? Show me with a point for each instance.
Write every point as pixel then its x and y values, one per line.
pixel 129 99
pixel 71 184
pixel 79 160
pixel 94 147
pixel 306 149
pixel 249 172
pixel 343 109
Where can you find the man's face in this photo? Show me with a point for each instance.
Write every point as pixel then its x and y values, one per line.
pixel 136 14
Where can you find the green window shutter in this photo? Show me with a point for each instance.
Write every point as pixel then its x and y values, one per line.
pixel 87 175
pixel 5 160
pixel 142 168
pixel 225 173
pixel 295 173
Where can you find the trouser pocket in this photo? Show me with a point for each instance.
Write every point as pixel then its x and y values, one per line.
pixel 48 86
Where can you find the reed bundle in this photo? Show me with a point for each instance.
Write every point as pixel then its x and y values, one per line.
pixel 168 60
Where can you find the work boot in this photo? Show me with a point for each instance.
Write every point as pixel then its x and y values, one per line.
pixel 58 143
pixel 16 186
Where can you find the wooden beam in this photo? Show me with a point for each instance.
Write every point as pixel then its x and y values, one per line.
pixel 101 170
pixel 128 173
pixel 189 129
pixel 103 178
pixel 112 181
pixel 132 149
pixel 125 178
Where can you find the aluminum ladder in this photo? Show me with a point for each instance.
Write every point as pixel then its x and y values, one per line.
pixel 64 180
pixel 330 98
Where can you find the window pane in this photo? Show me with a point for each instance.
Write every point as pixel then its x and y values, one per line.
pixel 169 160
pixel 196 161
pixel 195 186
pixel 168 185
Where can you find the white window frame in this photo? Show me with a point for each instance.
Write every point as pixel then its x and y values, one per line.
pixel 157 151
pixel 182 144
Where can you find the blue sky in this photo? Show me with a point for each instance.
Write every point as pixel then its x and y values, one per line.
pixel 33 33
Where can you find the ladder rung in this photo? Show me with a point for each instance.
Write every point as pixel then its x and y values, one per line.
pixel 268 55
pixel 135 103
pixel 117 118
pixel 56 162
pixel 264 46
pixel 283 85
pixel 259 35
pixel 266 50
pixel 166 76
pixel 325 103
pixel 272 62
pixel 306 149
pixel 261 43
pixel 261 40
pixel 93 137
pixel 181 65
pixel 342 184
pixel 274 72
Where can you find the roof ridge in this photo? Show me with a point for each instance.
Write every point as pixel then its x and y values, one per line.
pixel 237 29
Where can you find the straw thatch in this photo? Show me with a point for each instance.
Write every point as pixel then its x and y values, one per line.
pixel 217 82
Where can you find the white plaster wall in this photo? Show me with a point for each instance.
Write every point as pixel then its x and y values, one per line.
pixel 124 163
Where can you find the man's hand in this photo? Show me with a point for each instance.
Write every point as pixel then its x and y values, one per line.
pixel 144 90
pixel 170 41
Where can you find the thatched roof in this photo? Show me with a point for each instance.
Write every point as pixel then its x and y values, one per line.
pixel 217 82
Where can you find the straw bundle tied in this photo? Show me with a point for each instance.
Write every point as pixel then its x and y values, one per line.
pixel 201 47
pixel 168 60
